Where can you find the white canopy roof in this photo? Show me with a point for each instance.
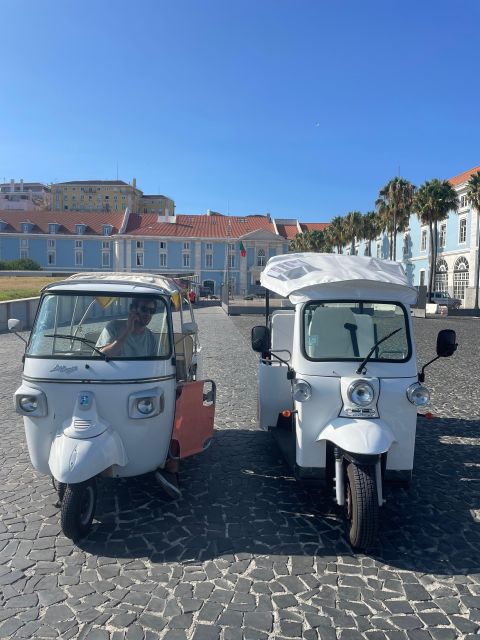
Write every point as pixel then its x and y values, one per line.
pixel 168 285
pixel 319 276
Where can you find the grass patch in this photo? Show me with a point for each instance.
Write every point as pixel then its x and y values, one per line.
pixel 15 287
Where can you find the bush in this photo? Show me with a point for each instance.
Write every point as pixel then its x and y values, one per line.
pixel 25 264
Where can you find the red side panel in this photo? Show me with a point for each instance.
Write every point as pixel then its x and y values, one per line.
pixel 194 416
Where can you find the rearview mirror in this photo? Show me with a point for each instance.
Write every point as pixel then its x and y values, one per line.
pixel 189 328
pixel 14 324
pixel 446 345
pixel 261 339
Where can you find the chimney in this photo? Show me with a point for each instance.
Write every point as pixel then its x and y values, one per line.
pixel 12 185
pixel 134 183
pixel 21 184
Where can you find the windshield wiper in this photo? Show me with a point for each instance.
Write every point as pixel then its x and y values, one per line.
pixel 84 340
pixel 367 358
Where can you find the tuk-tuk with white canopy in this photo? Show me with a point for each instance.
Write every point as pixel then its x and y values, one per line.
pixel 111 384
pixel 338 379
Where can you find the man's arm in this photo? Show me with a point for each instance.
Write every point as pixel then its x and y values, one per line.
pixel 111 341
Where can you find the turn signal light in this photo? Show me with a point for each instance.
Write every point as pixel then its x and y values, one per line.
pixel 286 413
pixel 429 416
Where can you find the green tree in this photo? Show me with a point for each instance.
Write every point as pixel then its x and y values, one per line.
pixel 336 233
pixel 353 225
pixel 372 227
pixel 433 200
pixel 473 192
pixel 394 205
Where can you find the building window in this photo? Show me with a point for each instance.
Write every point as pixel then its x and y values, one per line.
pixel 139 244
pixel 186 246
pixel 463 201
pixel 78 244
pixel 105 258
pixel 107 229
pixel 25 228
pixel 422 278
pixel 261 260
pixel 78 257
pixel 50 257
pixel 209 246
pixel 163 245
pixel 23 243
pixel 163 259
pixel 186 259
pixel 51 244
pixel 23 254
pixel 106 245
pixel 231 261
pixel 441 276
pixel 423 242
pixel 139 259
pixel 208 260
pixel 379 249
pixel 442 236
pixel 406 244
pixel 460 278
pixel 462 230
pixel 52 227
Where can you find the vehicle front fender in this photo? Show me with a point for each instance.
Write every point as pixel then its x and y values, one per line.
pixel 366 437
pixel 73 460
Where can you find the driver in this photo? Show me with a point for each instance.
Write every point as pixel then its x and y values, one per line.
pixel 130 338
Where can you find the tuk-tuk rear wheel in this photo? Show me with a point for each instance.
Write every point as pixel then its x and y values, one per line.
pixel 362 505
pixel 78 509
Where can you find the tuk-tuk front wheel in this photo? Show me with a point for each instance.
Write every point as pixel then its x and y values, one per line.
pixel 362 505
pixel 78 508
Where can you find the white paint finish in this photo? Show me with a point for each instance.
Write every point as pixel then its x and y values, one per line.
pixel 274 393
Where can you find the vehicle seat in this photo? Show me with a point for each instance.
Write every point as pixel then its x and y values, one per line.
pixel 329 337
pixel 183 355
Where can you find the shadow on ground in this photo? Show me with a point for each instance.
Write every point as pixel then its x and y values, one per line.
pixel 240 497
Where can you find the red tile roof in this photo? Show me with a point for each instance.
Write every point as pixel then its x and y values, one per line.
pixel 288 231
pixel 313 226
pixel 463 177
pixel 198 226
pixel 66 219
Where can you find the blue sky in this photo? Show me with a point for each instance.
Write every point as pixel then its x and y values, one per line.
pixel 298 108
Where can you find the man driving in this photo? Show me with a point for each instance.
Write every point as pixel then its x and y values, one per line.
pixel 130 338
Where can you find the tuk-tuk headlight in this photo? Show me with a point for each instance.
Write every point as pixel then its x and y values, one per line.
pixel 28 404
pixel 418 395
pixel 145 406
pixel 361 393
pixel 302 391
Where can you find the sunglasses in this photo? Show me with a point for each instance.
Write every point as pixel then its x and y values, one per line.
pixel 144 309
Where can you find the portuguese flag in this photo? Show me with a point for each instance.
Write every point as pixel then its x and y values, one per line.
pixel 243 251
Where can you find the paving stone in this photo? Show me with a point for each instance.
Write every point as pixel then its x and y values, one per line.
pixel 206 632
pixel 261 621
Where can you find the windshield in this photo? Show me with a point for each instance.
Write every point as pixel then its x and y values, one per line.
pixel 101 326
pixel 348 330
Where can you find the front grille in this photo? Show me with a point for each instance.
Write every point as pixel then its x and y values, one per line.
pixel 81 425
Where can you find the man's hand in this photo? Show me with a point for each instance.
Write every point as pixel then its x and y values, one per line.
pixel 133 317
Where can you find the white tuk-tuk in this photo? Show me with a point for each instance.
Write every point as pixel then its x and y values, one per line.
pixel 338 379
pixel 111 384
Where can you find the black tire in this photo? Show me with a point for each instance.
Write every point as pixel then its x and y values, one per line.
pixel 78 509
pixel 362 505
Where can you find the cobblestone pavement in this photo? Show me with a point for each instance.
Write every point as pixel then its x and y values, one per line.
pixel 248 552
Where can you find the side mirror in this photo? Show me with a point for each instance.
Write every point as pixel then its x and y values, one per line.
pixel 189 328
pixel 446 345
pixel 14 324
pixel 261 339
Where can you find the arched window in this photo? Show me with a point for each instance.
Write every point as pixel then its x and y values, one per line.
pixel 441 276
pixel 460 277
pixel 261 258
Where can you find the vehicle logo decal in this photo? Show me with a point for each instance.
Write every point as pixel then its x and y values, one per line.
pixel 61 368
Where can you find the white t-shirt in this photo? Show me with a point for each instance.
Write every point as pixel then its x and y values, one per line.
pixel 137 345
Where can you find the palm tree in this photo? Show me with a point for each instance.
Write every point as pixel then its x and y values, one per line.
pixel 372 227
pixel 353 225
pixel 394 205
pixel 336 233
pixel 432 202
pixel 473 192
pixel 301 242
